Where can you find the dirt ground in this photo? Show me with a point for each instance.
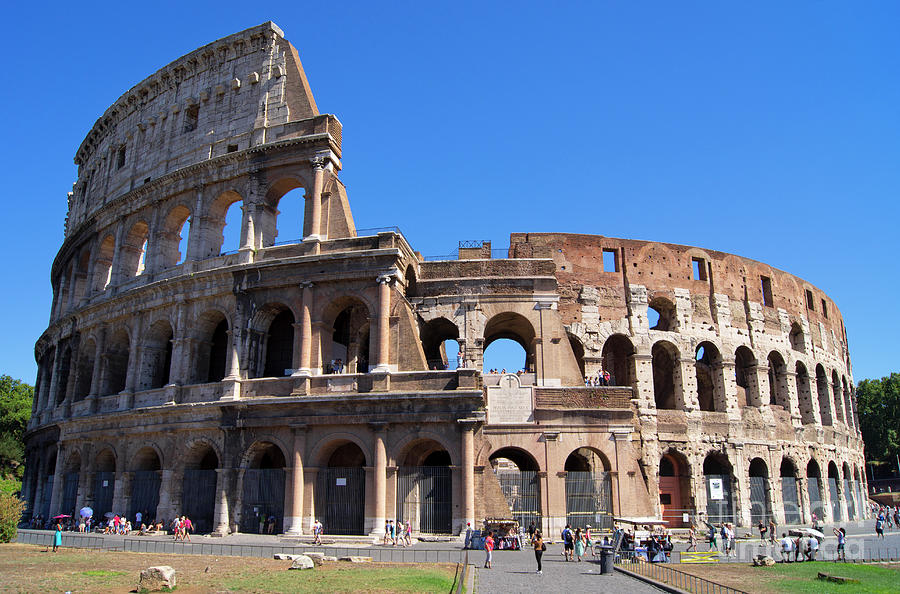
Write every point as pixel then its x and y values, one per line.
pixel 30 568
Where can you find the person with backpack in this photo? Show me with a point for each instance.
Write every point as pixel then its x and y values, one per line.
pixel 568 539
pixel 537 541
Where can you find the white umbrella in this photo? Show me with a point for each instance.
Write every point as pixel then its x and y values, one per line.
pixel 86 512
pixel 808 532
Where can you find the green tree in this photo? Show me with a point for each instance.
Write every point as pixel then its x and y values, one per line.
pixel 15 410
pixel 878 404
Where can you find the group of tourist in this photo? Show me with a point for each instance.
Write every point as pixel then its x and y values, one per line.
pixel 805 548
pixel 601 378
pixel 336 366
pixel 576 542
pixel 725 532
pixel 886 516
pixel 397 533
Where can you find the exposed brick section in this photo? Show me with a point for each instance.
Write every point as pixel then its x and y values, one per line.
pixel 595 397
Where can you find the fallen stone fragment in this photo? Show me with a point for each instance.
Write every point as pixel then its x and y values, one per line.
pixel 836 579
pixel 317 558
pixel 157 578
pixel 302 562
pixel 354 559
pixel 285 557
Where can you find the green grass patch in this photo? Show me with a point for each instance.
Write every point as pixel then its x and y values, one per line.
pixel 347 579
pixel 101 573
pixel 802 577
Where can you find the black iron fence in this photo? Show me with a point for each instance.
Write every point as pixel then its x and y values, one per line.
pixel 667 574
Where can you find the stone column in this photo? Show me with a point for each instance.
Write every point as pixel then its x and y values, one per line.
pixel 50 403
pixel 116 274
pixel 380 482
pixel 38 500
pixel 741 487
pixel 164 507
pixel 220 514
pixel 687 374
pixel 232 381
pixel 293 519
pixel 803 497
pixel 62 302
pixel 313 228
pixel 96 372
pixel 384 324
pixel 56 494
pixel 468 427
pixel 303 338
pixel 310 474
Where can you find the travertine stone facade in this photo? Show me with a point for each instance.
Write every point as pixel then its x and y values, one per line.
pixel 288 380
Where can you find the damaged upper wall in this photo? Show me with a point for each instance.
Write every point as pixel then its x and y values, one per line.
pixel 753 289
pixel 241 91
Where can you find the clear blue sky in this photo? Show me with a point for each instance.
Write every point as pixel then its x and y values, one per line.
pixel 766 129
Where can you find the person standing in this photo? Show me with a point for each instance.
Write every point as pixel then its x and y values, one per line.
pixel 317 531
pixel 712 538
pixel 537 542
pixel 773 530
pixel 387 532
pixel 468 535
pixel 408 533
pixel 137 518
pixel 879 525
pixel 842 541
pixel 57 536
pixel 488 549
pixel 762 531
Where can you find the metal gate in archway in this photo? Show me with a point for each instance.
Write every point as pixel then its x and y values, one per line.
pixel 589 499
pixel 719 506
pixel 522 489
pixel 814 488
pixel 791 500
pixel 262 499
pixel 144 495
pixel 759 500
pixel 104 486
pixel 69 494
pixel 851 505
pixel 425 498
pixel 341 499
pixel 198 498
pixel 835 500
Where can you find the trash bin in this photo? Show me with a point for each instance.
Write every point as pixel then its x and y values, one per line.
pixel 606 559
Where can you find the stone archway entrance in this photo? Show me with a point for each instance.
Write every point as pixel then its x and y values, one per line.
pixel 674 489
pixel 341 491
pixel 425 489
pixel 198 498
pixel 262 500
pixel 719 502
pixel 517 473
pixel 588 490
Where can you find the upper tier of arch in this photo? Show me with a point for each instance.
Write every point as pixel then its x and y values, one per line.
pixel 242 91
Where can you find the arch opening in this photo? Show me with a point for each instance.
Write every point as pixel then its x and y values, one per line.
pixel 745 377
pixel 156 356
pixel 350 338
pixel 588 490
pixel 834 491
pixel 199 487
pixel 778 386
pixel 674 488
pixel 760 505
pixel 116 360
pixel 262 504
pixel 425 488
pixel 814 488
pixel 341 490
pixel 665 375
pixel 145 483
pixel 517 473
pixel 437 336
pixel 719 488
pixel 104 483
pixel 708 366
pixel 510 327
pixel 618 360
pixel 661 314
pixel 790 492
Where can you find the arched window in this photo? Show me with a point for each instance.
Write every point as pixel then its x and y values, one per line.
pixel 778 388
pixel 797 339
pixel 824 397
pixel 665 375
pixel 116 360
pixel 804 395
pixel 156 356
pixel 280 345
pixel 618 360
pixel 708 367
pixel 439 335
pixel 134 250
pixel 745 377
pixel 514 336
pixel 661 314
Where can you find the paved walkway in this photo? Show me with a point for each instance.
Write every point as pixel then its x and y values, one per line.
pixel 514 571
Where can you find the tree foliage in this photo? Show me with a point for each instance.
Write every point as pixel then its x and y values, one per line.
pixel 11 509
pixel 878 404
pixel 15 410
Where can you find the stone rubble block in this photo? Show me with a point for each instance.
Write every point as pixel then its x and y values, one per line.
pixel 157 578
pixel 302 562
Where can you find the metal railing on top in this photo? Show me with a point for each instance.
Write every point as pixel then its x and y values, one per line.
pixel 662 572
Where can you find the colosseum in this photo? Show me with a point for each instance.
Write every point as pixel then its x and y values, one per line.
pixel 261 388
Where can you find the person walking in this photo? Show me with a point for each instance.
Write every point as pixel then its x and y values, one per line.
pixel 488 549
pixel 879 525
pixel 711 537
pixel 568 542
pixel 762 531
pixel 773 530
pixel 408 533
pixel 57 536
pixel 537 541
pixel 317 531
pixel 387 532
pixel 692 540
pixel 579 544
pixel 787 546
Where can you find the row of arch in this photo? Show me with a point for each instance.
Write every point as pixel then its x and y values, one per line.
pixel 804 490
pixel 183 228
